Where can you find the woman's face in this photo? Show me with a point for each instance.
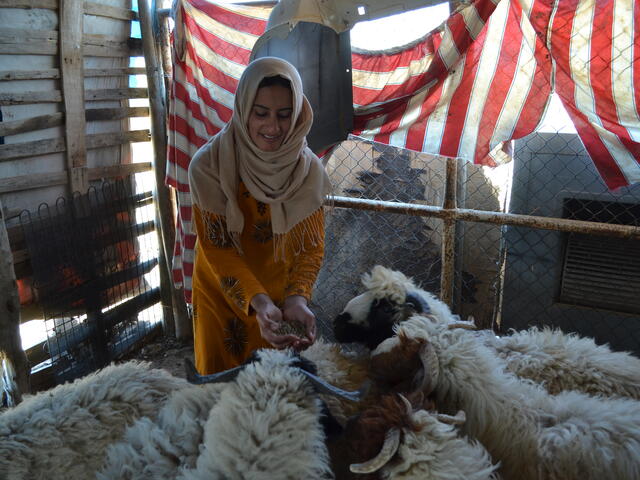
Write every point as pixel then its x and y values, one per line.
pixel 270 117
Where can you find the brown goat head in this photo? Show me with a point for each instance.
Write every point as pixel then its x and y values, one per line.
pixel 366 434
pixel 405 364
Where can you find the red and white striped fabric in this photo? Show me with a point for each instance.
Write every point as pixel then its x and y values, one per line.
pixel 596 54
pixel 460 92
pixel 483 79
pixel 217 42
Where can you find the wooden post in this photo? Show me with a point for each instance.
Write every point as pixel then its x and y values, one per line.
pixel 10 343
pixel 449 234
pixel 72 75
pixel 179 324
pixel 164 47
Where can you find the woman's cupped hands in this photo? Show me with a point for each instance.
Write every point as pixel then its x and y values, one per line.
pixel 293 326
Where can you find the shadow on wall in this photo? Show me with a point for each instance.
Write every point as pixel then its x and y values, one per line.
pixel 356 240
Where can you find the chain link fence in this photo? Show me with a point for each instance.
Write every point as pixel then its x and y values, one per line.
pixel 505 276
pixel 577 282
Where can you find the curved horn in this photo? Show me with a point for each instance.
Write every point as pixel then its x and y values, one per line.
pixel 323 387
pixel 407 403
pixel 388 450
pixel 194 377
pixel 431 367
pixel 458 419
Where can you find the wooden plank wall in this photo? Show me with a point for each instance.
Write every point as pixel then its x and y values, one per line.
pixel 54 118
pixel 65 92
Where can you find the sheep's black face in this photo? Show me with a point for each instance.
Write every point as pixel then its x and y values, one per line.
pixel 352 324
pixel 381 320
pixel 346 331
pixel 365 320
pixel 370 321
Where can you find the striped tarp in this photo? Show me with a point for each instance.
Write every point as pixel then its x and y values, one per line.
pixel 465 90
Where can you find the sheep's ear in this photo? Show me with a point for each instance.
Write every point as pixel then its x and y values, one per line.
pixel 194 377
pixel 415 301
pixel 323 387
pixel 388 450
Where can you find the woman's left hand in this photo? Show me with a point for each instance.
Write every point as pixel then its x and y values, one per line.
pixel 295 309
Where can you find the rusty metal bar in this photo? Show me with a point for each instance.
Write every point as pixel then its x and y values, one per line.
pixel 449 234
pixel 460 237
pixel 498 218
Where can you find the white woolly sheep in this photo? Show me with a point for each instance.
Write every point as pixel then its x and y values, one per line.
pixel 203 432
pixel 556 360
pixel 266 424
pixel 533 434
pixel 63 433
pixel 562 361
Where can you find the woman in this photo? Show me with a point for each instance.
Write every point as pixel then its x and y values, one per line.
pixel 257 193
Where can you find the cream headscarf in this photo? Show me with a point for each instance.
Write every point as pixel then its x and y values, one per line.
pixel 292 180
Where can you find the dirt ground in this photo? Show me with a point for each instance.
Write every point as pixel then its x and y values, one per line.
pixel 165 352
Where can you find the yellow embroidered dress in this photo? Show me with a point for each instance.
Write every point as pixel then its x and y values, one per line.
pixel 225 328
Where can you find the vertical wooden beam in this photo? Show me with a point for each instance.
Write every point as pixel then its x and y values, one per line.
pixel 448 234
pixel 165 48
pixel 163 45
pixel 177 320
pixel 72 75
pixel 10 343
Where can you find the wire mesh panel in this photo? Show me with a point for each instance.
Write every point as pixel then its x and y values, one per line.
pixel 577 282
pixel 479 246
pixel 94 269
pixel 505 276
pixel 356 240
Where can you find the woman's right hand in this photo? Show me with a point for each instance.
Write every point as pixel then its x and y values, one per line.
pixel 269 319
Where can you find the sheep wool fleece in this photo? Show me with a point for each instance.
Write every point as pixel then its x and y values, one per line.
pixel 226 330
